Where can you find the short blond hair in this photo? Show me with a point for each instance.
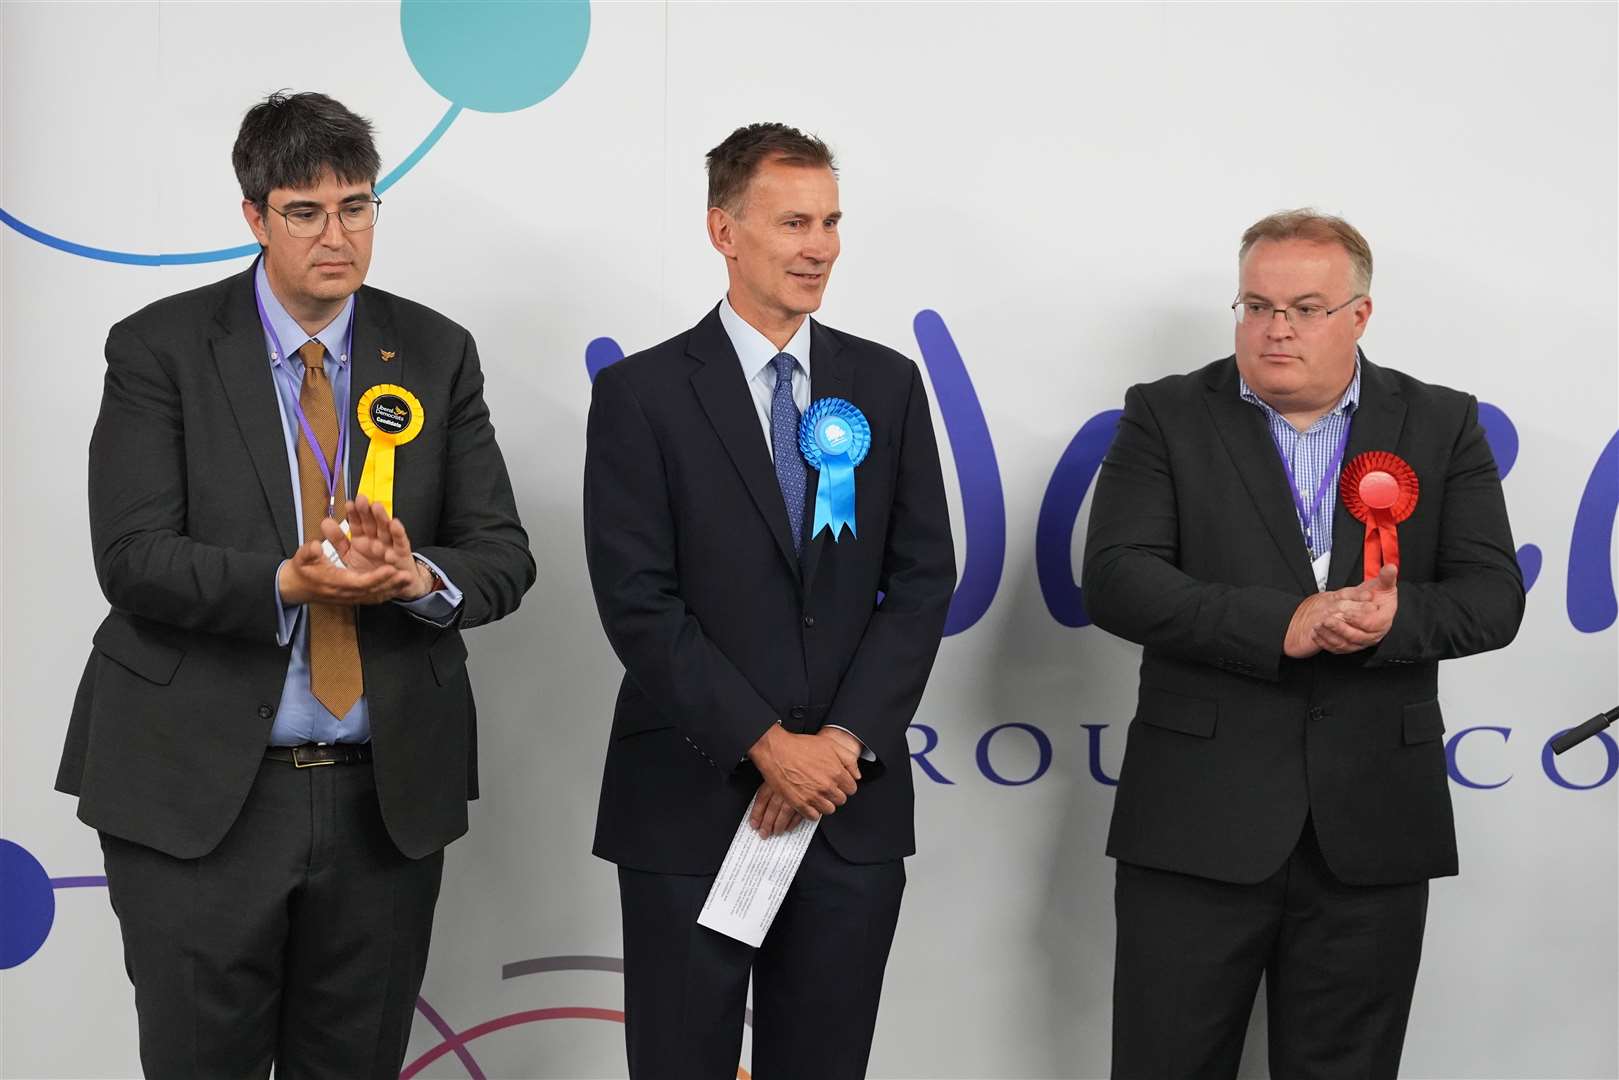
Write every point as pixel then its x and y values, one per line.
pixel 1314 226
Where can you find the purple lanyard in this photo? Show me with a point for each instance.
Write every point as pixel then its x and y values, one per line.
pixel 1321 489
pixel 279 355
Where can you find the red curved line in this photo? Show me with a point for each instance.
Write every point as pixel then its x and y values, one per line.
pixel 478 1031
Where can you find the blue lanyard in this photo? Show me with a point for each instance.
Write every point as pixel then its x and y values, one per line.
pixel 279 355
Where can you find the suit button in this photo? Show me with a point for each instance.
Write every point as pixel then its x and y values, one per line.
pixel 809 622
pixel 265 712
pixel 799 712
pixel 1317 713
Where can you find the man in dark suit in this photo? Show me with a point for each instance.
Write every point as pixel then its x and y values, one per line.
pixel 762 656
pixel 1283 798
pixel 276 745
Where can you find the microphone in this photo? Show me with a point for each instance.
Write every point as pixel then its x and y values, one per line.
pixel 1574 736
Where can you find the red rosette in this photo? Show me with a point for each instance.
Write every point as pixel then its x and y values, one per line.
pixel 1380 490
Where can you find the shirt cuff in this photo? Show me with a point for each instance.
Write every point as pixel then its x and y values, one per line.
pixel 865 751
pixel 286 618
pixel 439 606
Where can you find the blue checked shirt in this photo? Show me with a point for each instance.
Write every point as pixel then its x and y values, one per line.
pixel 1308 455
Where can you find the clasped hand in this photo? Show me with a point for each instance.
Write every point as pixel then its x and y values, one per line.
pixel 378 564
pixel 1344 620
pixel 805 776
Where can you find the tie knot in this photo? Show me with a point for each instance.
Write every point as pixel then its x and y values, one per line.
pixel 313 354
pixel 784 365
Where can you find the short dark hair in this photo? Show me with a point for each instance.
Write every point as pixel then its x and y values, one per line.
pixel 732 163
pixel 291 140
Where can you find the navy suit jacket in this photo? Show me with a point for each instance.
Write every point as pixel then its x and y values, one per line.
pixel 723 630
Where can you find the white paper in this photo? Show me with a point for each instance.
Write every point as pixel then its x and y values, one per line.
pixel 754 879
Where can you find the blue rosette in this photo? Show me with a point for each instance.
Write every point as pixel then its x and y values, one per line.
pixel 834 437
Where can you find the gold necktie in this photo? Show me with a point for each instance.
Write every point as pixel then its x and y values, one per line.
pixel 334 650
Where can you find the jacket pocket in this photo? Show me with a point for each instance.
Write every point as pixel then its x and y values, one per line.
pixel 119 641
pixel 1177 712
pixel 448 655
pixel 634 713
pixel 1423 722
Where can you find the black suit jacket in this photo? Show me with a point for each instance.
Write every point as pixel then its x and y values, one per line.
pixel 721 629
pixel 1195 552
pixel 191 514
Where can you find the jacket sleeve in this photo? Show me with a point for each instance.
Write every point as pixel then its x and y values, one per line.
pixel 630 551
pixel 1476 598
pixel 883 685
pixel 479 541
pixel 1133 585
pixel 146 564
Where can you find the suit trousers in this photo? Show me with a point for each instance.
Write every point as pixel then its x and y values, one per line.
pixel 1339 963
pixel 300 940
pixel 817 977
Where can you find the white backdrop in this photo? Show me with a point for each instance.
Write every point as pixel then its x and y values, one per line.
pixel 1064 185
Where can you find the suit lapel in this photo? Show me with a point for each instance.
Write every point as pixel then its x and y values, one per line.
pixel 723 394
pixel 242 356
pixel 373 334
pixel 831 375
pixel 1242 428
pixel 1379 419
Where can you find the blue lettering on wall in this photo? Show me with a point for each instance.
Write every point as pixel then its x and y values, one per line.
pixel 1059 513
pixel 1548 761
pixel 1455 770
pixel 600 353
pixel 1093 735
pixel 1042 745
pixel 1592 605
pixel 930 742
pixel 983 504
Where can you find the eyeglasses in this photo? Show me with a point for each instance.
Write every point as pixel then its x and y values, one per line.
pixel 1297 315
pixel 305 222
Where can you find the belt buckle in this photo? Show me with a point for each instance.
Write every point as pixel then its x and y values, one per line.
pixel 307 764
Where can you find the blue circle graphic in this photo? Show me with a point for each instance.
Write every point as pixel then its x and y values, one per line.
pixel 27 905
pixel 495 56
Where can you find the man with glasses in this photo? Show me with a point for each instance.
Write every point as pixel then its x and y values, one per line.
pixel 1283 798
pixel 296 506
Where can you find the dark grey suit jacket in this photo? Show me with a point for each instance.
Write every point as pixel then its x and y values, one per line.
pixel 1195 552
pixel 191 513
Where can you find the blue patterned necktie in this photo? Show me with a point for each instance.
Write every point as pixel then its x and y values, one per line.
pixel 791 471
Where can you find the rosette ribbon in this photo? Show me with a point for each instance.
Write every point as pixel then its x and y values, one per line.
pixel 834 437
pixel 1380 490
pixel 390 416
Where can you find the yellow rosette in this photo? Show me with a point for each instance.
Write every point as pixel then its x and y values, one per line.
pixel 390 416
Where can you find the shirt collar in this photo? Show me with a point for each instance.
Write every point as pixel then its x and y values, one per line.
pixel 1346 404
pixel 292 336
pixel 754 350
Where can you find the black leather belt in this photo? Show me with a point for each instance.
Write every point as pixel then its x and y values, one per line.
pixel 311 754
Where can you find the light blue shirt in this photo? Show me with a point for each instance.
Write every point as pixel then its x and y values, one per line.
pixel 300 718
pixel 1309 454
